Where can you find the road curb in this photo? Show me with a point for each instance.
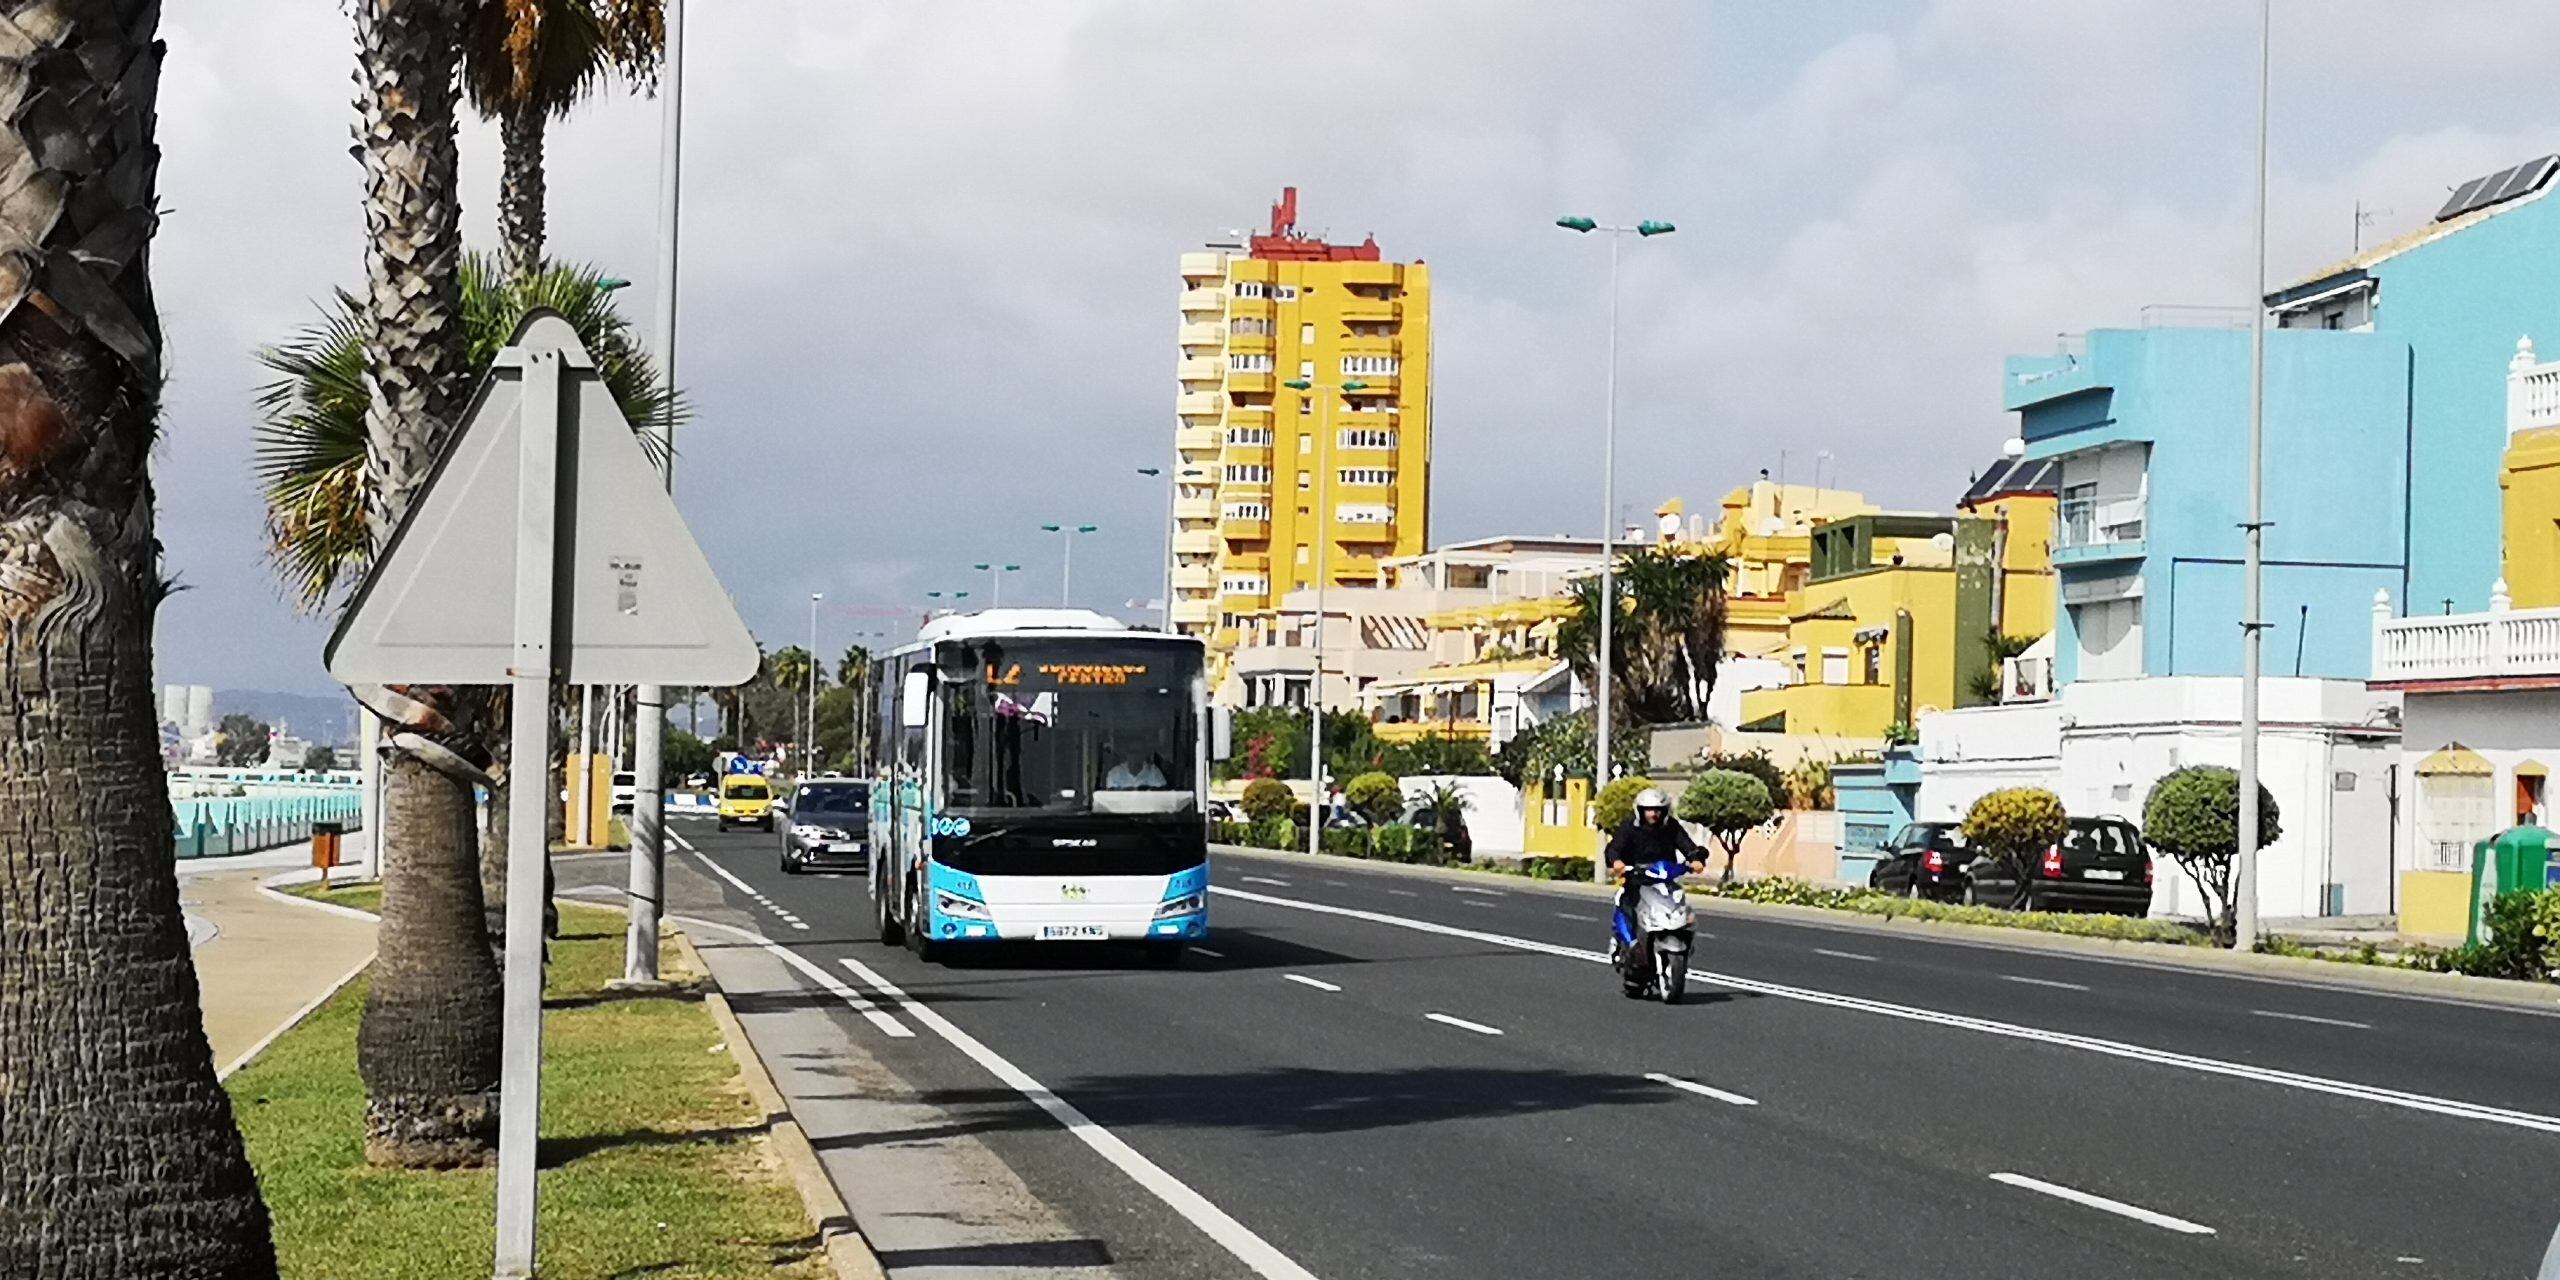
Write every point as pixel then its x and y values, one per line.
pixel 2461 988
pixel 849 1255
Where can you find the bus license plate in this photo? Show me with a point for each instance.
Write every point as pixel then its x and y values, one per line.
pixel 2100 873
pixel 1072 932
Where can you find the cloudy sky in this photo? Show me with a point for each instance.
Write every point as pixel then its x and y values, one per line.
pixel 929 280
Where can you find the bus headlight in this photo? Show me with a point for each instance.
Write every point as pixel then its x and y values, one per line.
pixel 1183 906
pixel 954 905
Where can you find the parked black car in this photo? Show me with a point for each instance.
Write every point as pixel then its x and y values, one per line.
pixel 1924 860
pixel 827 826
pixel 2101 865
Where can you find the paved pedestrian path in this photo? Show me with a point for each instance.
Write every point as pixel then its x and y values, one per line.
pixel 262 960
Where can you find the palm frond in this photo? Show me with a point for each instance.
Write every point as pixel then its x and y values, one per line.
pixel 550 55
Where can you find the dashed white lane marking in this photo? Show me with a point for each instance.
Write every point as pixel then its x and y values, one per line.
pixel 779 911
pixel 1264 880
pixel 1403 893
pixel 835 986
pixel 1573 915
pixel 2091 1044
pixel 1305 981
pixel 1339 884
pixel 1843 955
pixel 1468 888
pixel 1250 1249
pixel 1479 902
pixel 1463 1025
pixel 2119 1207
pixel 1204 951
pixel 1702 1090
pixel 2304 1017
pixel 2042 982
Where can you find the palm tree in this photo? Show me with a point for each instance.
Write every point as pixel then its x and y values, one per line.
pixel 118 1154
pixel 1667 639
pixel 428 1046
pixel 528 62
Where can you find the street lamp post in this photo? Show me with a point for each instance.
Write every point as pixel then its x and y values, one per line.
pixel 1324 547
pixel 1067 568
pixel 1170 485
pixel 1608 509
pixel 2253 573
pixel 954 596
pixel 809 740
pixel 995 581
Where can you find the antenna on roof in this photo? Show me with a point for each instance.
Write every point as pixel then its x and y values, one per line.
pixel 2365 214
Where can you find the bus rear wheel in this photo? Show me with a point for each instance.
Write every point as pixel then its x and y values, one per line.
pixel 925 948
pixel 890 934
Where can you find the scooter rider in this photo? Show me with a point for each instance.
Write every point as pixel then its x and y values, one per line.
pixel 1648 837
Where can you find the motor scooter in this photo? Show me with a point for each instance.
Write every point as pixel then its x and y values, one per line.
pixel 1651 950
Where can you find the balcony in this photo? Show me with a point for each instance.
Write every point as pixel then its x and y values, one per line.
pixel 1201 335
pixel 1245 530
pixel 1250 383
pixel 1204 265
pixel 2500 648
pixel 1195 613
pixel 1358 346
pixel 1249 307
pixel 1200 439
pixel 1368 310
pixel 1200 542
pixel 1257 343
pixel 1416 730
pixel 2533 390
pixel 1194 369
pixel 1363 532
pixel 1199 403
pixel 1195 508
pixel 1196 301
pixel 2099 528
pixel 1195 577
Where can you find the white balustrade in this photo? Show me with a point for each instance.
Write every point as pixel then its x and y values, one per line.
pixel 2469 646
pixel 2533 390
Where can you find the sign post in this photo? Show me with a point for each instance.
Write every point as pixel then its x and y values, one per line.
pixel 543 487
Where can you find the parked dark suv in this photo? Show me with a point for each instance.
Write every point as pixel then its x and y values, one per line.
pixel 1926 860
pixel 2101 865
pixel 828 824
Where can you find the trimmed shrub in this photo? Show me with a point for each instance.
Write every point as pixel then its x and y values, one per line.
pixel 1728 804
pixel 1549 867
pixel 1377 797
pixel 1401 843
pixel 2015 827
pixel 1231 833
pixel 2193 817
pixel 1268 798
pixel 1346 842
pixel 1273 833
pixel 1617 802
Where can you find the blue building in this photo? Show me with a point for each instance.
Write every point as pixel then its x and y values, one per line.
pixel 2385 419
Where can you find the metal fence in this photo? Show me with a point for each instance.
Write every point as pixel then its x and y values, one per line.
pixel 217 827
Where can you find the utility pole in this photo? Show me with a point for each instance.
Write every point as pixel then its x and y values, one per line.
pixel 2253 572
pixel 1324 546
pixel 649 801
pixel 809 740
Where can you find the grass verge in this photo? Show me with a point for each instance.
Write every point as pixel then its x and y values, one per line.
pixel 653 1157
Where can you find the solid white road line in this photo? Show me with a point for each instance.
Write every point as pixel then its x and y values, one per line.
pixel 1204 951
pixel 1463 1025
pixel 742 886
pixel 2078 1197
pixel 1703 1091
pixel 2042 982
pixel 835 986
pixel 1264 880
pixel 2304 1017
pixel 1468 888
pixel 2091 1044
pixel 1238 1239
pixel 1843 955
pixel 1305 981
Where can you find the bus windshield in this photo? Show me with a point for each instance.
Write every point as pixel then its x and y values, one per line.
pixel 1067 726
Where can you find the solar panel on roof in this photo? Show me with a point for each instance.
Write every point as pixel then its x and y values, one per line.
pixel 2459 202
pixel 2528 177
pixel 2500 187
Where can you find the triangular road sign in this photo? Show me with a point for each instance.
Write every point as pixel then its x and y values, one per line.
pixel 635 601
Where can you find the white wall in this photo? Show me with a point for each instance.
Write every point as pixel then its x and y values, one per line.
pixel 1493 809
pixel 2510 728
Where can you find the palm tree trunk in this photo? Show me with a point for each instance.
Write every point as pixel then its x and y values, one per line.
pixel 521 192
pixel 428 1050
pixel 118 1155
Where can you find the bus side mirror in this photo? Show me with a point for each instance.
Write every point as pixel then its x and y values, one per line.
pixel 912 697
pixel 1222 733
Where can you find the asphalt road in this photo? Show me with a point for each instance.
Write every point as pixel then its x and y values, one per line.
pixel 1370 1073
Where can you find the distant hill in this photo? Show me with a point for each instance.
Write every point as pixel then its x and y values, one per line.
pixel 313 719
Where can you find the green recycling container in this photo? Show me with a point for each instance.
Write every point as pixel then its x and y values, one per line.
pixel 2516 860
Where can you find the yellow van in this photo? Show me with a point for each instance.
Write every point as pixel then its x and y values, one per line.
pixel 746 800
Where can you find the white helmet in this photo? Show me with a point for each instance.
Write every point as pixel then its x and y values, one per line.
pixel 1652 798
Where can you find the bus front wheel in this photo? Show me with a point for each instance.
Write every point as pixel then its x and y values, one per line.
pixel 925 948
pixel 890 934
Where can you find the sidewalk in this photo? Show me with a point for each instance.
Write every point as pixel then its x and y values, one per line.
pixel 262 960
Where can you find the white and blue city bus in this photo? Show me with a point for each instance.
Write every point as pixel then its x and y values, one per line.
pixel 1041 774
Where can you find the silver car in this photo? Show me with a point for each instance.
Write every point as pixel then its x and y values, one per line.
pixel 827 826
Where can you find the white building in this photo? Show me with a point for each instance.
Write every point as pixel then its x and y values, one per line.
pixel 2328 753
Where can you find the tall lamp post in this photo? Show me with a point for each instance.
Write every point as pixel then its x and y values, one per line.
pixel 1169 486
pixel 2253 572
pixel 1608 508
pixel 954 596
pixel 809 739
pixel 1067 568
pixel 995 581
pixel 1324 547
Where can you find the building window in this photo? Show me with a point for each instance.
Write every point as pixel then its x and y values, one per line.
pixel 1365 513
pixel 1246 473
pixel 1306 444
pixel 1835 666
pixel 1244 584
pixel 1285 292
pixel 1244 362
pixel 1302 554
pixel 1303 484
pixel 1248 511
pixel 1875 663
pixel 1306 407
pixel 1380 366
pixel 2454 813
pixel 1368 439
pixel 2110 634
pixel 1250 327
pixel 1249 436
pixel 1367 475
pixel 1306 335
pixel 1251 289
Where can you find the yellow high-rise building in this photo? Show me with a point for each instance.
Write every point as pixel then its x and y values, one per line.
pixel 1264 473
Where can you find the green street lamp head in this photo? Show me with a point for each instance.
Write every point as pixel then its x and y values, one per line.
pixel 1577 224
pixel 1650 228
pixel 611 283
pixel 1048 528
pixel 1298 384
pixel 1355 385
pixel 1012 568
pixel 1150 471
pixel 1088 528
pixel 982 566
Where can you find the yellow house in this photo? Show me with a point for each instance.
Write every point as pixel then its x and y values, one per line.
pixel 2530 477
pixel 1764 531
pixel 1898 612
